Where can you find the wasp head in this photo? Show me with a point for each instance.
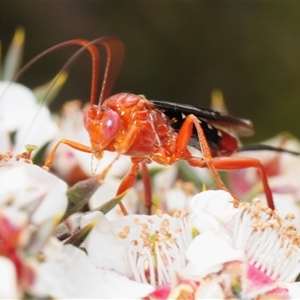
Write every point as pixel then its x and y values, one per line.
pixel 102 124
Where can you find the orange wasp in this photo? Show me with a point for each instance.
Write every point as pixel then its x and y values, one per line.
pixel 149 130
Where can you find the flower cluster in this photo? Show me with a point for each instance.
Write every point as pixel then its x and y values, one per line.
pixel 28 217
pixel 63 235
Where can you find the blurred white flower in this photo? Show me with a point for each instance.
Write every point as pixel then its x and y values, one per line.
pixel 21 115
pixel 31 201
pixel 8 276
pixel 73 275
pixel 169 193
pixel 25 184
pixel 282 169
pixel 107 191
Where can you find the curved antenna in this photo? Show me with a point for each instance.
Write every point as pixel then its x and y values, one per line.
pixel 81 42
pixel 115 50
pixel 260 147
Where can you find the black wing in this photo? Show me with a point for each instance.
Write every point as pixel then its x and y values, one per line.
pixel 211 122
pixel 241 127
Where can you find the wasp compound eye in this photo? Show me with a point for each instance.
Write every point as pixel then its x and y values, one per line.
pixel 111 124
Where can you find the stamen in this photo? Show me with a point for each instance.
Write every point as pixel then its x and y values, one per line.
pixel 271 244
pixel 156 248
pixel 159 212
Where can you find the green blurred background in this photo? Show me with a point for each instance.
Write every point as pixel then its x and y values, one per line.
pixel 176 51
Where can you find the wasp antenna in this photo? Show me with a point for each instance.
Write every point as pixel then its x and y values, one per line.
pixel 116 49
pixel 260 147
pixel 86 45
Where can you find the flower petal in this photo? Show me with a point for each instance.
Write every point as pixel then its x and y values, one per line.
pixel 103 246
pixel 204 254
pixel 73 275
pixel 8 279
pixel 23 183
pixel 212 210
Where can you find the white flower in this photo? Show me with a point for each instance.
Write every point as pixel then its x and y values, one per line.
pixel 23 184
pixel 73 275
pixel 204 254
pixel 258 251
pixel 17 268
pixel 271 245
pixel 212 210
pixel 31 200
pixel 8 279
pixel 20 113
pixel 146 249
